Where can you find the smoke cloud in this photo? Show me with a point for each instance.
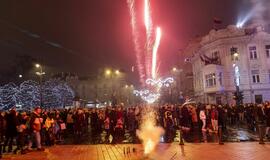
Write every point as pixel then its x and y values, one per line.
pixel 149 132
pixel 260 10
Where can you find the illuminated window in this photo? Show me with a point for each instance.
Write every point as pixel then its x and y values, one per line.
pixel 234 54
pixel 210 80
pixel 253 52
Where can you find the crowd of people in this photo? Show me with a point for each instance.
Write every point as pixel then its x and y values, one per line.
pixel 48 127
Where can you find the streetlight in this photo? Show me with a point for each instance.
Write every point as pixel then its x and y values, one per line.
pixel 236 54
pixel 20 76
pixel 40 73
pixel 174 69
pixel 37 65
pixel 108 72
pixel 111 74
pixel 117 72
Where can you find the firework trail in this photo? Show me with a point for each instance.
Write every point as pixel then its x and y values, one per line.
pixel 154 56
pixel 149 29
pixel 135 33
pixel 147 18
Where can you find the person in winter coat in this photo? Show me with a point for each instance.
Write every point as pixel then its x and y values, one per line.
pixel 169 124
pixel 2 131
pixel 185 117
pixel 35 128
pixel 11 129
pixel 21 129
pixel 131 121
pixel 118 130
pixel 107 128
pixel 49 135
pixel 70 122
pixel 267 116
pixel 2 126
pixel 194 115
pixel 203 119
pixel 214 118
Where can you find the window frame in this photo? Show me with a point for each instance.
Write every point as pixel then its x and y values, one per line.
pixel 210 80
pixel 234 50
pixel 255 76
pixel 253 54
pixel 267 51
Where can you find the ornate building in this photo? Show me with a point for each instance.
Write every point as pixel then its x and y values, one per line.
pixel 231 58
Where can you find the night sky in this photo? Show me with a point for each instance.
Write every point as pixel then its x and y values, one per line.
pixel 97 33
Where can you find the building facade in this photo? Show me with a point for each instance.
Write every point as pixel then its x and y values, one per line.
pixel 229 58
pixel 101 87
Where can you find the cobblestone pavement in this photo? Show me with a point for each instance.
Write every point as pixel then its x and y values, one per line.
pixel 190 151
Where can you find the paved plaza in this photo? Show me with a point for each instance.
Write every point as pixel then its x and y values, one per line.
pixel 200 151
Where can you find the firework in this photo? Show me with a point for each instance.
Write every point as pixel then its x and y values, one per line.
pixel 147 18
pixel 154 56
pixel 135 33
pixel 149 132
pixel 149 28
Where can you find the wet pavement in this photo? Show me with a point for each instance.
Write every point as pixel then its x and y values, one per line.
pixel 231 134
pixel 164 151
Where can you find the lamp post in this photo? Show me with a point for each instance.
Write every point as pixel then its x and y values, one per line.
pixel 111 74
pixel 40 73
pixel 177 76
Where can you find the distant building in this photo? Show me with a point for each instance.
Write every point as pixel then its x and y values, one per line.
pixel 231 57
pixel 100 87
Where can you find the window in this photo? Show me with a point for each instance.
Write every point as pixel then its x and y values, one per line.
pixel 220 78
pixel 216 58
pixel 218 100
pixel 267 49
pixel 258 99
pixel 255 76
pixel 269 75
pixel 253 52
pixel 234 54
pixel 210 80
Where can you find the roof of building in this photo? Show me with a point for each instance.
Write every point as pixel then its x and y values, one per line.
pixel 230 31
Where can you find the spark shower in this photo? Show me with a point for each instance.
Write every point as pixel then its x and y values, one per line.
pixel 147 63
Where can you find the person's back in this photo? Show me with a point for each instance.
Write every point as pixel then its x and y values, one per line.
pixel 214 114
pixel 1 126
pixel 70 118
pixel 11 123
pixel 202 115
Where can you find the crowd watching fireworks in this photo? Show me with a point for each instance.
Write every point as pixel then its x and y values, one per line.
pixel 32 131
